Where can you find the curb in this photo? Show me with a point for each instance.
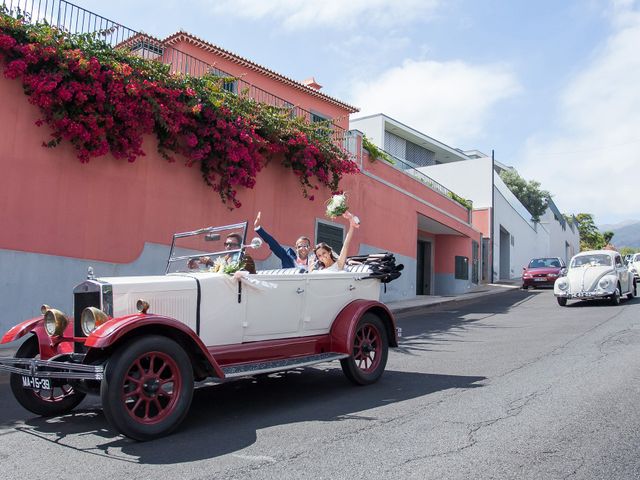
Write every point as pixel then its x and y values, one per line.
pixel 458 300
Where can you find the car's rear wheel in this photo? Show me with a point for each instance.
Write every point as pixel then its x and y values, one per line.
pixel 369 351
pixel 562 301
pixel 60 399
pixel 615 298
pixel 147 388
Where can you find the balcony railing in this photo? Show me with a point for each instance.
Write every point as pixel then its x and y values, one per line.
pixel 352 143
pixel 76 20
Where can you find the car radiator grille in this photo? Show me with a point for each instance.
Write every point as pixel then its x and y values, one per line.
pixel 82 300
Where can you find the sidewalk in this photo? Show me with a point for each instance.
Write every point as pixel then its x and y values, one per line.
pixel 401 306
pixel 423 302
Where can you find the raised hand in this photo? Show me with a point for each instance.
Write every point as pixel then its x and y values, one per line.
pixel 256 223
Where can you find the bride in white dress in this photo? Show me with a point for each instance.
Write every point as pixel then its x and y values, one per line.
pixel 328 261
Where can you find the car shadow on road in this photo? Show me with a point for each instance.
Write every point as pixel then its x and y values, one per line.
pixel 422 331
pixel 225 418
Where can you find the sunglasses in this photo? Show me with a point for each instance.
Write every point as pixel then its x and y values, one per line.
pixel 298 247
pixel 231 244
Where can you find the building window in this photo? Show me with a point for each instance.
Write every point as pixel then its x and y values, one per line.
pixel 229 84
pixel 330 234
pixel 462 268
pixel 317 118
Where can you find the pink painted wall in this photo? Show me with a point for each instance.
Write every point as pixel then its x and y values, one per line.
pixel 271 85
pixel 482 221
pixel 107 209
pixel 448 247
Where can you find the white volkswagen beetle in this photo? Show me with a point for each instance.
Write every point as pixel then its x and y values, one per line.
pixel 595 274
pixel 141 342
pixel 634 265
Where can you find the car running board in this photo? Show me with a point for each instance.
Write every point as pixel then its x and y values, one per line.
pixel 249 369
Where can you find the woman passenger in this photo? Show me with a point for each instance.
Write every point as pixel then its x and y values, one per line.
pixel 327 260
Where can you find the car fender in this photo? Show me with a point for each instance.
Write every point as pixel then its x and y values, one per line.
pixel 21 329
pixel 343 329
pixel 49 346
pixel 117 329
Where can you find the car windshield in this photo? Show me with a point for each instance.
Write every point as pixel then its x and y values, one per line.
pixel 636 258
pixel 544 263
pixel 597 259
pixel 198 249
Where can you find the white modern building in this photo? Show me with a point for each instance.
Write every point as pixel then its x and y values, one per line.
pixel 510 237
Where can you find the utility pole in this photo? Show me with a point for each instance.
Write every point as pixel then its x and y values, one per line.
pixel 493 206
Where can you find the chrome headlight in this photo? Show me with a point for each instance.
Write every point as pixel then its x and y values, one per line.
pixel 562 284
pixel 91 319
pixel 55 321
pixel 604 283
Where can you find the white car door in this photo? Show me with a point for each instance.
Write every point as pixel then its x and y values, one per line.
pixel 623 275
pixel 274 306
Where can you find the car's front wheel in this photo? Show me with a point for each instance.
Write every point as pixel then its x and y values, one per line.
pixel 562 301
pixel 147 388
pixel 60 399
pixel 369 351
pixel 615 298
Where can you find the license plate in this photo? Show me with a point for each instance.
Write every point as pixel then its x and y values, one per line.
pixel 36 383
pixel 539 279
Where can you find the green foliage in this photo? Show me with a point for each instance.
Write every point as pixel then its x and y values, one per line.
pixel 628 251
pixel 376 153
pixel 468 204
pixel 590 236
pixel 529 193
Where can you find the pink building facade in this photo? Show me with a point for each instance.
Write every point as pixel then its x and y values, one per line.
pixel 60 216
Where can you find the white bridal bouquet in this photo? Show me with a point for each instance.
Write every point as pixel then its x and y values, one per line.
pixel 337 206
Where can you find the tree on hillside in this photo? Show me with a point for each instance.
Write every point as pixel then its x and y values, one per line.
pixel 607 236
pixel 590 236
pixel 534 199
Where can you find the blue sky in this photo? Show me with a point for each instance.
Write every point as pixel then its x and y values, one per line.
pixel 552 86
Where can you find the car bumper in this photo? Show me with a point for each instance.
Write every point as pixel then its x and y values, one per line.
pixel 532 282
pixel 51 368
pixel 584 295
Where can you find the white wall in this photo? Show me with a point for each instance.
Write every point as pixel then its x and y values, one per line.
pixel 560 236
pixel 528 240
pixel 470 179
pixel 372 127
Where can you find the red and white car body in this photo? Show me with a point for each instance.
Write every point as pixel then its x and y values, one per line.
pixel 142 342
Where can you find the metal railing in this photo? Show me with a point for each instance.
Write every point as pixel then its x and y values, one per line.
pixel 411 170
pixel 352 143
pixel 76 20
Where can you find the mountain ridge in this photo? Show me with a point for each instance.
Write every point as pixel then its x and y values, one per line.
pixel 625 234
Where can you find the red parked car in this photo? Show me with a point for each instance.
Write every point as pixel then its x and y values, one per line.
pixel 543 272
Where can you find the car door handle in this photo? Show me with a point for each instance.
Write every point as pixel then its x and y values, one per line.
pixel 300 290
pixel 351 287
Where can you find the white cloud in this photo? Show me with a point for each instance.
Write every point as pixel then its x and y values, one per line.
pixel 449 101
pixel 300 14
pixel 590 159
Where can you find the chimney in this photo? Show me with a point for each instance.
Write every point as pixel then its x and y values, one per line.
pixel 311 83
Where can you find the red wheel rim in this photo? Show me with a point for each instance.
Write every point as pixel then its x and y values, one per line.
pixel 367 348
pixel 151 387
pixel 56 394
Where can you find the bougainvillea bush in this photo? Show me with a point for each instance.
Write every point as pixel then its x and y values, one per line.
pixel 104 100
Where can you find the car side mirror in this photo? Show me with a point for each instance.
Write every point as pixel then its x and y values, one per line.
pixel 256 242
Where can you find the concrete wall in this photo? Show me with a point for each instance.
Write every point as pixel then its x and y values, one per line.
pixel 470 179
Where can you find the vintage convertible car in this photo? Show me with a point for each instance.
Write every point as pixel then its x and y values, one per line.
pixel 595 274
pixel 142 342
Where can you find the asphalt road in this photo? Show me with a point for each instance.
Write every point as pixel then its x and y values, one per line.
pixel 513 386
